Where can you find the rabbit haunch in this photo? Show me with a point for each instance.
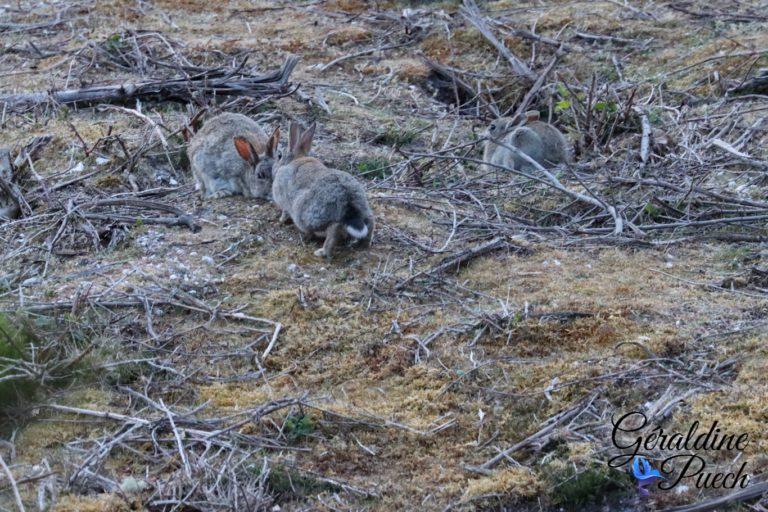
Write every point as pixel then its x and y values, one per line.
pixel 225 161
pixel 541 141
pixel 320 201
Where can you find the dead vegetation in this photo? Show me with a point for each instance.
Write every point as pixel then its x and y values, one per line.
pixel 161 353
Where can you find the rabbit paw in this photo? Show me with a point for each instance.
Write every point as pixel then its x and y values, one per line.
pixel 321 253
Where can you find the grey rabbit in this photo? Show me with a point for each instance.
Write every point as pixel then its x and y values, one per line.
pixel 9 208
pixel 539 140
pixel 320 201
pixel 225 161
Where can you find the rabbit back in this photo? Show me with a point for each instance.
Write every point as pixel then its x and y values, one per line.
pixel 8 207
pixel 555 146
pixel 316 197
pixel 541 141
pixel 529 142
pixel 216 166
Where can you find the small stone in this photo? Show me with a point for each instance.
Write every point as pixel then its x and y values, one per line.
pixel 207 260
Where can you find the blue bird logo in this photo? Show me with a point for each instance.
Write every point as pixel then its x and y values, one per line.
pixel 645 474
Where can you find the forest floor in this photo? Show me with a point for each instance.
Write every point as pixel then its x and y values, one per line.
pixel 228 368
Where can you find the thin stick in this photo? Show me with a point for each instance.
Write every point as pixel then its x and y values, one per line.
pixel 645 142
pixel 369 51
pixel 454 261
pixel 471 13
pixel 556 420
pixel 16 494
pixel 211 81
pixel 536 85
pixel 179 442
pixel 753 491
pixel 272 341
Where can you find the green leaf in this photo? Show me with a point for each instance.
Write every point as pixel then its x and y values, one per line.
pixel 652 210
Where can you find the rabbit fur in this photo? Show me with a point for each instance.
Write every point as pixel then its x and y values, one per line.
pixel 322 202
pixel 9 209
pixel 222 166
pixel 539 140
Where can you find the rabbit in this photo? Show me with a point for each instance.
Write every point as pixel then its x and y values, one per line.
pixel 258 177
pixel 9 208
pixel 320 201
pixel 224 157
pixel 539 140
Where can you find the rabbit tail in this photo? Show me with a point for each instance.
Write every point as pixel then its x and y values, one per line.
pixel 354 222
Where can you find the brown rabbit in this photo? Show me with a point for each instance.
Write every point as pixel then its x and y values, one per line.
pixel 224 157
pixel 539 140
pixel 320 201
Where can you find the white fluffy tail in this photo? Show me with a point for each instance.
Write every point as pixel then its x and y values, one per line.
pixel 357 233
pixel 355 223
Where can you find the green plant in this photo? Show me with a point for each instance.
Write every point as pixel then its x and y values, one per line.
pixel 298 425
pixel 38 353
pixel 114 42
pixel 374 168
pixel 286 483
pixel 573 488
pixel 16 384
pixel 654 115
pixel 609 106
pixel 652 211
pixel 396 136
pixel 737 256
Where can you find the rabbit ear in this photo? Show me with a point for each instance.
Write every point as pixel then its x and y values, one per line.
pixel 272 143
pixel 532 115
pixel 246 150
pixel 293 136
pixel 302 148
pixel 192 126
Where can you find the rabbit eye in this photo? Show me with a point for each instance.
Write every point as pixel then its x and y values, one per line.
pixel 279 154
